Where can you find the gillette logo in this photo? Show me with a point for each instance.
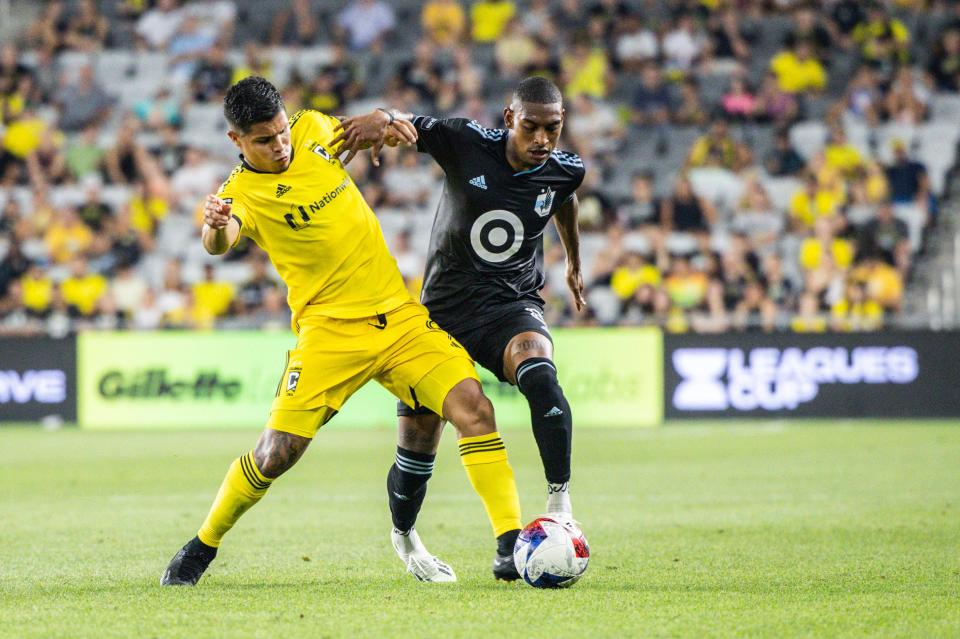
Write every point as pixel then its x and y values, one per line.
pixel 772 379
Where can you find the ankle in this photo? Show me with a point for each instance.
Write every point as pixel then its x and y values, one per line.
pixel 507 541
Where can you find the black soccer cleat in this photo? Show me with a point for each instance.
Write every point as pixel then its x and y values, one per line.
pixel 504 569
pixel 188 565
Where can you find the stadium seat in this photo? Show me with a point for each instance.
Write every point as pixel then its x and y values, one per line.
pixel 808 137
pixel 915 219
pixel 719 186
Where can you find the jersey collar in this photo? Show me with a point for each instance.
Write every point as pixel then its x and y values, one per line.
pixel 503 150
pixel 248 167
pixel 533 170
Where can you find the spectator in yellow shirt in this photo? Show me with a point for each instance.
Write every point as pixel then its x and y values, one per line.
pixel 855 311
pixel 633 274
pixel 812 203
pixel 798 71
pixel 718 148
pixel 37 289
pixel 146 211
pixel 443 21
pixel 23 136
pixel 489 17
pixel 882 40
pixel 67 236
pixel 808 319
pixel 686 288
pixel 586 71
pixel 824 249
pixel 82 290
pixel 841 155
pixel 883 282
pixel 211 298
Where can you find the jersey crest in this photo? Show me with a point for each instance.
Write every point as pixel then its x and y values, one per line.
pixel 322 152
pixel 544 202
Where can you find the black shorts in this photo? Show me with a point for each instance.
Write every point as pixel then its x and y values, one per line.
pixel 487 343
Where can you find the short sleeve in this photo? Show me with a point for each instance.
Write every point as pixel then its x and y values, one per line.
pixel 316 125
pixel 229 194
pixel 439 137
pixel 576 179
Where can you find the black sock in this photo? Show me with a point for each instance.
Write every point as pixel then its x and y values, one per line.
pixel 197 547
pixel 549 414
pixel 506 542
pixel 407 486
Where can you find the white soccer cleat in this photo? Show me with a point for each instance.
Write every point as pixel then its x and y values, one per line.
pixel 418 560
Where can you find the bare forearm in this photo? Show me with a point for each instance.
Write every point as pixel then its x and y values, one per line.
pixel 215 241
pixel 398 114
pixel 567 220
pixel 570 238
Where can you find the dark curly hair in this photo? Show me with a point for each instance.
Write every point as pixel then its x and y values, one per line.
pixel 249 101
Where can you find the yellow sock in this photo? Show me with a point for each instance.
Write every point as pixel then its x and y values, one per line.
pixel 243 486
pixel 485 460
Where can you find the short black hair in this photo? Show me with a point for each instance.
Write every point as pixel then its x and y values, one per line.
pixel 250 101
pixel 537 90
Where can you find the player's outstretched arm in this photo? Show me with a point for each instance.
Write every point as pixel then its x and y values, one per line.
pixel 372 131
pixel 220 229
pixel 566 220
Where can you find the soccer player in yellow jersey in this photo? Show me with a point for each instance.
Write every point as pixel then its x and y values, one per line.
pixel 352 315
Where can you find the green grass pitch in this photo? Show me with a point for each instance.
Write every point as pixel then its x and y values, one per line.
pixel 696 530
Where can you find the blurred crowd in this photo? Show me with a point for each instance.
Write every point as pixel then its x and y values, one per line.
pixel 752 165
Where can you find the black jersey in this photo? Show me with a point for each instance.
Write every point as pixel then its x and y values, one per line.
pixel 486 246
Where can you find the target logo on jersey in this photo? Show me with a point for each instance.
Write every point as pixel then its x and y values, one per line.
pixel 551 552
pixel 496 236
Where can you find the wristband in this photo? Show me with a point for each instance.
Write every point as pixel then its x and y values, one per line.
pixel 389 114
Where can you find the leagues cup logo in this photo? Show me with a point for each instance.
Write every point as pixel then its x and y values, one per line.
pixel 544 203
pixel 771 379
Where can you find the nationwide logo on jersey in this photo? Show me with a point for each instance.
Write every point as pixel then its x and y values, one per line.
pixel 544 203
pixel 283 189
pixel 480 182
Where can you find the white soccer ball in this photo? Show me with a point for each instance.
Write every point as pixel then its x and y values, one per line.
pixel 551 552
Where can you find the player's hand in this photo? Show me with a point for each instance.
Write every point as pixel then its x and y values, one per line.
pixel 399 132
pixel 216 212
pixel 371 131
pixel 575 282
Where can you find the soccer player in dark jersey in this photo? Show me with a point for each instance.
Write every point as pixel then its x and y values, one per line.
pixel 482 282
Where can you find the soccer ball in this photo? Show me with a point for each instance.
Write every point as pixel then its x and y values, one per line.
pixel 551 552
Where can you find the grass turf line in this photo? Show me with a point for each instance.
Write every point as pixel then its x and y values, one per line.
pixel 806 530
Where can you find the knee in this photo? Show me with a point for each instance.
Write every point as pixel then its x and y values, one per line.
pixel 277 452
pixel 477 415
pixel 421 433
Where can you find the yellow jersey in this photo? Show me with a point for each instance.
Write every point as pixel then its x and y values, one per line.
pixel 798 76
pixel 318 231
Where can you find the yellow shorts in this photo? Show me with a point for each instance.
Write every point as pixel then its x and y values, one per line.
pixel 404 350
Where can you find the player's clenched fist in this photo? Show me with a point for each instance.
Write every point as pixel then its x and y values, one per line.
pixel 216 212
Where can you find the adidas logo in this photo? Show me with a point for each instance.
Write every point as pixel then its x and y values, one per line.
pixel 553 412
pixel 283 189
pixel 480 182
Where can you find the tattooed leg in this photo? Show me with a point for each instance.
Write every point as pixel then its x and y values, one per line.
pixel 277 452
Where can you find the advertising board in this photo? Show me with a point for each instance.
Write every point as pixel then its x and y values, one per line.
pixel 888 374
pixel 38 379
pixel 186 380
